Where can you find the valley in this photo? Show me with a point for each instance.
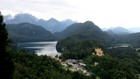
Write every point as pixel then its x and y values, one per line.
pixel 53 50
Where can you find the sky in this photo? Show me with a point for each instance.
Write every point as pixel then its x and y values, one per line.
pixel 104 13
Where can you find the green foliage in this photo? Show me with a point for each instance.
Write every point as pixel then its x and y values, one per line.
pixel 133 39
pixel 30 66
pixel 3 35
pixel 123 52
pixel 138 50
pixel 118 63
pixel 85 31
pixel 81 39
pixel 6 64
pixel 73 48
pixel 110 68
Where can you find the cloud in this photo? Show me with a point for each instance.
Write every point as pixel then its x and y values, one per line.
pixel 105 13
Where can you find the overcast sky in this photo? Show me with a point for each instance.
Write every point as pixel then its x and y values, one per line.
pixel 104 13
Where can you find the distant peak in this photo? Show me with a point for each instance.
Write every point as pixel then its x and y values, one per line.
pixel 8 16
pixel 120 27
pixel 53 19
pixel 68 19
pixel 89 22
pixel 23 14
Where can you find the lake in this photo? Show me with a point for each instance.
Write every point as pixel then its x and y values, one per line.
pixel 41 48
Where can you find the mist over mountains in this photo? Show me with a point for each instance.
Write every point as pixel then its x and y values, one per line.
pixel 52 24
pixel 118 31
pixel 134 30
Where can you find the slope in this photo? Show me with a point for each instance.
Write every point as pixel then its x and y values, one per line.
pixel 87 30
pixel 80 40
pixel 28 32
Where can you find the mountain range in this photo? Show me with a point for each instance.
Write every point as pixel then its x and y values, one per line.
pixel 26 27
pixel 52 24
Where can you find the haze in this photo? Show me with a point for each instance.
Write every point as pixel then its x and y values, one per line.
pixel 104 13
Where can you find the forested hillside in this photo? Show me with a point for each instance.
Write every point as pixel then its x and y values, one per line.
pixel 81 39
pixel 31 66
pixel 28 32
pixel 133 39
pixel 21 64
pixel 87 30
pixel 87 42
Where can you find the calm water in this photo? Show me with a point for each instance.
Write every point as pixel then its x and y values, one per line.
pixel 41 48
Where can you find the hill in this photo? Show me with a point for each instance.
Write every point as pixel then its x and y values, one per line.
pixel 87 30
pixel 28 32
pixel 80 40
pixel 133 39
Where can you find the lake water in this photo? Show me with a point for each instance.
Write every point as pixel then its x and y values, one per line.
pixel 41 48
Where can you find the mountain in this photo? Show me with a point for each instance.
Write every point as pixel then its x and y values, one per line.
pixel 80 32
pixel 23 18
pixel 7 17
pixel 28 32
pixel 118 30
pixel 87 30
pixel 68 22
pixel 52 24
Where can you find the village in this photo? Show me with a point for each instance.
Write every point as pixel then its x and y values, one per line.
pixel 78 65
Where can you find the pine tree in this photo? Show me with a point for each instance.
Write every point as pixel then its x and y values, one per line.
pixel 6 64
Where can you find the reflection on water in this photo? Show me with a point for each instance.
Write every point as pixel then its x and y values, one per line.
pixel 41 48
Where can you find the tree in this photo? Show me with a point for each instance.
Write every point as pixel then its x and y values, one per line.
pixel 6 64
